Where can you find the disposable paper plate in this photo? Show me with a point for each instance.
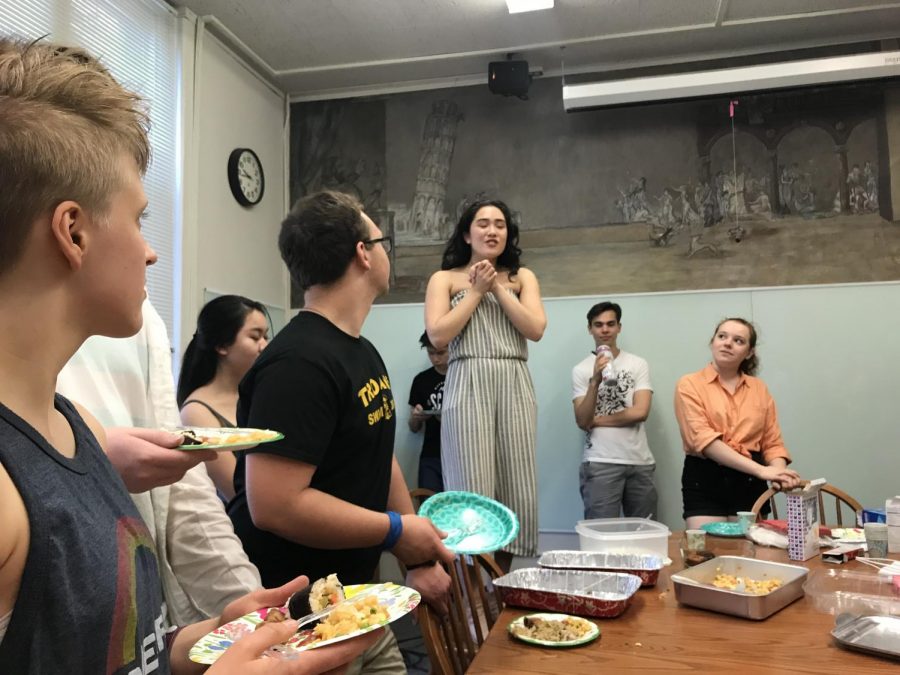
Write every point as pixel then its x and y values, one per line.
pixel 591 634
pixel 398 600
pixel 723 529
pixel 227 438
pixel 473 523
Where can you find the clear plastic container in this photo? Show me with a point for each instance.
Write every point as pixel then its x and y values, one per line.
pixel 839 591
pixel 624 535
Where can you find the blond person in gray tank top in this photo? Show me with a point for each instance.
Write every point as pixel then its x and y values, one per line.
pixel 485 306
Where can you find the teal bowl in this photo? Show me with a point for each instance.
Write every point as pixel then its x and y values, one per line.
pixel 473 523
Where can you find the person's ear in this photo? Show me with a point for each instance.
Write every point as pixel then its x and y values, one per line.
pixel 68 225
pixel 362 255
pixel 222 351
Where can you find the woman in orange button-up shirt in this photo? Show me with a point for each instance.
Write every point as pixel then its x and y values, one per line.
pixel 730 431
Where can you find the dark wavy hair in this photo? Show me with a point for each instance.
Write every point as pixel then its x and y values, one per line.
pixel 750 365
pixel 318 237
pixel 458 253
pixel 218 325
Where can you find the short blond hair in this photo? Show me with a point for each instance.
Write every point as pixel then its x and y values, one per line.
pixel 64 125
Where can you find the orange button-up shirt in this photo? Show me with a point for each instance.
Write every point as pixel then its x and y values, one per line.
pixel 745 421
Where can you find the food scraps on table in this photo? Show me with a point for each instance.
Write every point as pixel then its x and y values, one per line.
pixel 731 582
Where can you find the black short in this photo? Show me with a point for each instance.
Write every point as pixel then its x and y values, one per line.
pixel 710 489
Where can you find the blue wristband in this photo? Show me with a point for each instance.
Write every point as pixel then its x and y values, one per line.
pixel 396 529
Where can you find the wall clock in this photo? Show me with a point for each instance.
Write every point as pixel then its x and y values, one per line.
pixel 245 176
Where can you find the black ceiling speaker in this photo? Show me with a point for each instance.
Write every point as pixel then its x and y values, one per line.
pixel 509 78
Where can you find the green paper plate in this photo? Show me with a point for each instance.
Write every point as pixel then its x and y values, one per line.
pixel 723 529
pixel 473 523
pixel 592 634
pixel 228 438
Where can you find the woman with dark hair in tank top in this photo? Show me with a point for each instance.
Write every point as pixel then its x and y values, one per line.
pixel 485 305
pixel 231 332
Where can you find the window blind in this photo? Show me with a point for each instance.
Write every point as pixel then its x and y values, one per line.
pixel 137 41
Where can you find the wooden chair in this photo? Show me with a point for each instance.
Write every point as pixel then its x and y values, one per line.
pixel 419 495
pixel 841 500
pixel 475 604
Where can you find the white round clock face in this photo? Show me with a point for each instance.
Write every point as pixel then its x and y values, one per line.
pixel 250 176
pixel 246 177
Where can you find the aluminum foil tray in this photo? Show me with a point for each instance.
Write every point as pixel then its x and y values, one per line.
pixel 586 593
pixel 643 565
pixel 874 634
pixel 694 586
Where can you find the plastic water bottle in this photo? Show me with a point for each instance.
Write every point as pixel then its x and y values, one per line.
pixel 609 372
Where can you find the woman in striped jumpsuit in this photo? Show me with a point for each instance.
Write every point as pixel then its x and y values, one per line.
pixel 484 306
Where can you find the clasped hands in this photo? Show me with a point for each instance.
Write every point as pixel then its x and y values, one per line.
pixel 483 277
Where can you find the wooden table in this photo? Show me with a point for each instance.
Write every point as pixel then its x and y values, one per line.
pixel 657 635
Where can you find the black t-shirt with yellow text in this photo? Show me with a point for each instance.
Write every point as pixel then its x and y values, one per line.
pixel 329 394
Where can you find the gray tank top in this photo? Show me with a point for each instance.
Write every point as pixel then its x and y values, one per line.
pixel 489 333
pixel 90 599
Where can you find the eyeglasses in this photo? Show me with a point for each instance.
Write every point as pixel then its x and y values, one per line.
pixel 386 242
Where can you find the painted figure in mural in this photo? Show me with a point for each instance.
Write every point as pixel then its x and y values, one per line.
pixel 689 215
pixel 785 197
pixel 721 196
pixel 485 306
pixel 640 208
pixel 734 189
pixel 703 198
pixel 756 195
pixel 854 178
pixel 666 208
pixel 804 195
pixel 616 473
pixel 871 183
pixel 729 428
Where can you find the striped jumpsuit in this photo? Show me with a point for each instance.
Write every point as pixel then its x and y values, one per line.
pixel 489 417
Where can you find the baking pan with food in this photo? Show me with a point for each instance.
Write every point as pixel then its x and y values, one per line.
pixel 694 586
pixel 586 593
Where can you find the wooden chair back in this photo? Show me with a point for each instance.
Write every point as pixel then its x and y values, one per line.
pixel 841 500
pixel 419 495
pixel 475 604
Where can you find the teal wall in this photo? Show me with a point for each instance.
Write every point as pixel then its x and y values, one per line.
pixel 829 354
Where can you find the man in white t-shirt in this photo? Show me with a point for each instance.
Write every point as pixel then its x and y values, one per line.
pixel 617 468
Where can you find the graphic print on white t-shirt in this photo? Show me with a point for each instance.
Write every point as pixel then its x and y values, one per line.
pixel 612 399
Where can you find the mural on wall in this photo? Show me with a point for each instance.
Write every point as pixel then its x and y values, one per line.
pixel 767 190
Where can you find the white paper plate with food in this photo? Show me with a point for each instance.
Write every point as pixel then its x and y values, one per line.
pixel 365 608
pixel 224 438
pixel 554 630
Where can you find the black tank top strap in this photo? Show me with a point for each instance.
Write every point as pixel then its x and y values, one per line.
pixel 222 420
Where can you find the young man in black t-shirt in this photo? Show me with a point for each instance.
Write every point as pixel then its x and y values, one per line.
pixel 425 398
pixel 330 497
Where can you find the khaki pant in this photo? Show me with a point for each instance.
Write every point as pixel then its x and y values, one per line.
pixel 383 658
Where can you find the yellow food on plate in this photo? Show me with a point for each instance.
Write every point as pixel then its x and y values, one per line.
pixel 249 437
pixel 225 437
pixel 552 630
pixel 731 582
pixel 351 616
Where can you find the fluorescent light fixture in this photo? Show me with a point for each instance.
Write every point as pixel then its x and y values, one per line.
pixel 517 6
pixel 730 81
